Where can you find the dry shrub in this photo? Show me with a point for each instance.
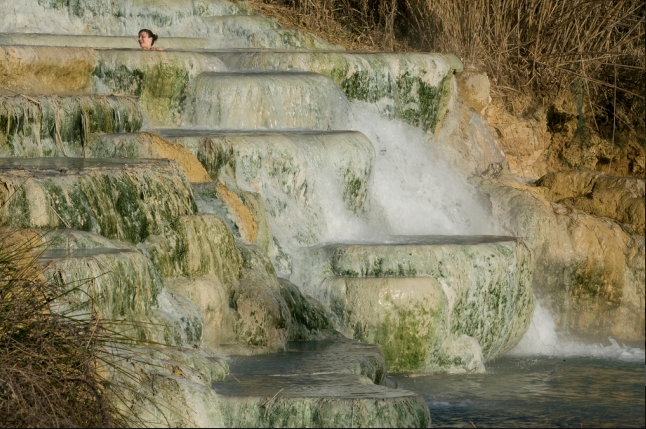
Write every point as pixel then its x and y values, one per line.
pixel 593 48
pixel 338 22
pixel 52 365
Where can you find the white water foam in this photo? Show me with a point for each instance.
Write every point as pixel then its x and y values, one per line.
pixel 543 339
pixel 415 190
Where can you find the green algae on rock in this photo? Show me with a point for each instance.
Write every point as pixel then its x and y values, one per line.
pixel 489 298
pixel 159 79
pixel 413 87
pixel 407 317
pixel 198 245
pixel 122 286
pixel 126 200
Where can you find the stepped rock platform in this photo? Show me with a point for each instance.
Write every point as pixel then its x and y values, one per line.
pixel 218 193
pixel 323 384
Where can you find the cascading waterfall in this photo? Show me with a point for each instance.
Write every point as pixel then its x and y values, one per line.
pixel 544 339
pixel 416 191
pixel 310 192
pixel 411 191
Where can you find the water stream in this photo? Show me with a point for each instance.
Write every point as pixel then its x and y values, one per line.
pixel 537 391
pixel 548 380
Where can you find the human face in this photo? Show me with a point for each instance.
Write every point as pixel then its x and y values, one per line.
pixel 145 41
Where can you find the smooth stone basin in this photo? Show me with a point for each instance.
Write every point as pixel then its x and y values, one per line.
pixel 326 384
pixel 433 303
pixel 267 100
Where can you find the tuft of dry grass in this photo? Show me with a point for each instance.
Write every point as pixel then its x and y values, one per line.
pixel 52 362
pixel 329 21
pixel 47 361
pixel 592 48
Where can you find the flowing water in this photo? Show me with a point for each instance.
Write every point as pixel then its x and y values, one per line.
pixel 546 381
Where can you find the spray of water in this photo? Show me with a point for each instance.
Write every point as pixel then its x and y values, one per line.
pixel 413 191
pixel 543 339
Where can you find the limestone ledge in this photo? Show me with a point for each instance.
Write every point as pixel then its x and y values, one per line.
pixel 187 25
pixel 329 384
pixel 110 17
pixel 128 200
pixel 62 125
pixel 294 173
pixel 160 79
pixel 413 87
pixel 146 145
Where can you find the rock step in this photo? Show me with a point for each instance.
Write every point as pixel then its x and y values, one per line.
pixel 316 384
pixel 421 295
pixel 304 178
pixel 414 87
pixel 61 125
pixel 273 100
pixel 124 288
pixel 128 200
pixel 160 80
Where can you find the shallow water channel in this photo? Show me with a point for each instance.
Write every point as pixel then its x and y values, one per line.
pixel 537 392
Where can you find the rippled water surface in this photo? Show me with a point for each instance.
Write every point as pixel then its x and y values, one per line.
pixel 537 392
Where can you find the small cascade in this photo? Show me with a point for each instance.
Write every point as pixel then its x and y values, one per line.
pixel 412 87
pixel 313 184
pixel 543 339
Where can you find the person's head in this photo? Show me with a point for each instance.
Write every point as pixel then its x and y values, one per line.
pixel 146 38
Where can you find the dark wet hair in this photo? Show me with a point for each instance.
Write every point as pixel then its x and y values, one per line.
pixel 150 34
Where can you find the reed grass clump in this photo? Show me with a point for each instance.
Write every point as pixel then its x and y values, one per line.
pixel 593 48
pixel 53 359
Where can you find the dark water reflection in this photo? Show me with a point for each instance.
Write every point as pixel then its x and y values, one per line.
pixel 541 392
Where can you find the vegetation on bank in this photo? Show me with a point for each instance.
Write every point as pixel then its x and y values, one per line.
pixel 593 49
pixel 54 360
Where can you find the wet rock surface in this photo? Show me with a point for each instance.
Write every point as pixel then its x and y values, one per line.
pixel 328 383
